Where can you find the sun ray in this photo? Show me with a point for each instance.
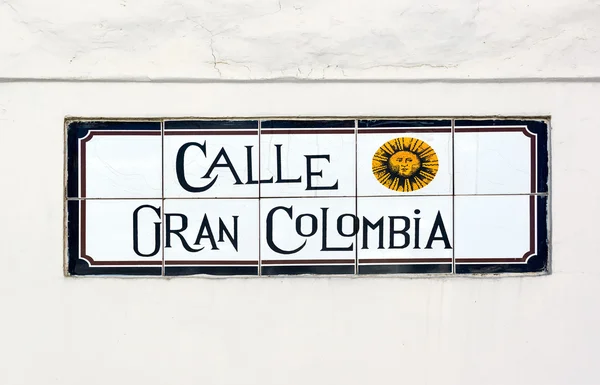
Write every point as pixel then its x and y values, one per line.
pixel 419 182
pixel 426 152
pixel 380 158
pixel 415 145
pixel 385 177
pixel 398 144
pixel 388 149
pixel 426 175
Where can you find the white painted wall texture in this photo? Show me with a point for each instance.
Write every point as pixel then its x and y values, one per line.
pixel 299 39
pixel 539 58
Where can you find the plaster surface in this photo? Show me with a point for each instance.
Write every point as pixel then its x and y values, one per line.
pixel 299 39
pixel 456 330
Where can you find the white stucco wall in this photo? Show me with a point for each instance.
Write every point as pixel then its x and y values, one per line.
pixel 299 39
pixel 457 330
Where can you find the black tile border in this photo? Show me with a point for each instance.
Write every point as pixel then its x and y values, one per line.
pixel 211 125
pixel 171 271
pixel 82 269
pixel 77 129
pixel 299 123
pixel 73 237
pixel 368 269
pixel 308 269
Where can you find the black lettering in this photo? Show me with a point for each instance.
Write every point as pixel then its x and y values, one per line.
pixel 417 220
pixel 249 161
pixel 224 231
pixel 169 231
pixel 438 224
pixel 205 228
pixel 136 234
pixel 313 225
pixel 179 168
pixel 355 225
pixel 223 154
pixel 310 173
pixel 324 246
pixel 374 226
pixel 404 232
pixel 279 166
pixel 270 242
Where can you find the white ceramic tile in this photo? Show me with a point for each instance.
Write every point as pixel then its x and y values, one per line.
pixel 423 229
pixel 492 162
pixel 369 143
pixel 223 149
pixel 491 227
pixel 213 230
pixel 280 239
pixel 111 230
pixel 302 157
pixel 122 166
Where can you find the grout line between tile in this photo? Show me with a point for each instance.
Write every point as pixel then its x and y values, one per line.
pixel 356 193
pixel 259 199
pixel 543 194
pixel 162 187
pixel 453 199
pixel 114 199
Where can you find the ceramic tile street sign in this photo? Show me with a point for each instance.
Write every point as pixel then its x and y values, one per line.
pixel 344 196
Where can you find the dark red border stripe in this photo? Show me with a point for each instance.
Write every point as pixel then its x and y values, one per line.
pixel 531 228
pixel 493 129
pixel 93 262
pixel 415 130
pixel 403 123
pixel 405 260
pixel 489 260
pixel 532 210
pixel 82 225
pixel 120 133
pixel 312 261
pixel 533 163
pixel 82 171
pixel 127 263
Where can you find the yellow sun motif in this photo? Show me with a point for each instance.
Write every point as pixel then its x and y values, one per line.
pixel 405 164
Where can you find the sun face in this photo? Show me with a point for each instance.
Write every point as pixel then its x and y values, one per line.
pixel 405 164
